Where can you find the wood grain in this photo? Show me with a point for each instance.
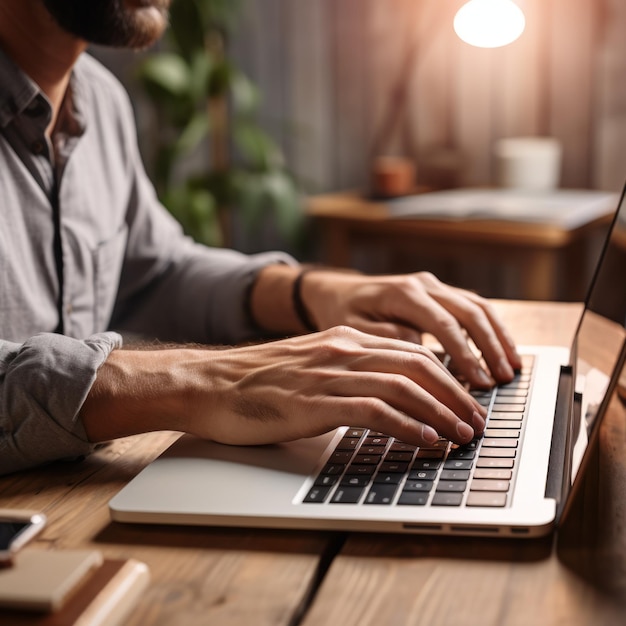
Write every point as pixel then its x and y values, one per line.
pixel 198 575
pixel 579 578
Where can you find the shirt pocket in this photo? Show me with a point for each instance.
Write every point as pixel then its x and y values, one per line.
pixel 108 261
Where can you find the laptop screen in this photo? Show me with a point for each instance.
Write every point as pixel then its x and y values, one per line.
pixel 601 334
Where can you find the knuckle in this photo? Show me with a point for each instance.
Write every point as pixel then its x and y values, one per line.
pixel 427 278
pixel 401 385
pixel 372 409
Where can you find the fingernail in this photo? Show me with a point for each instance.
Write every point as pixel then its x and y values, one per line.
pixel 504 370
pixel 478 422
pixel 482 378
pixel 430 435
pixel 464 431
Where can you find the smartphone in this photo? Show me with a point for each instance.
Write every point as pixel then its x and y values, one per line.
pixel 17 528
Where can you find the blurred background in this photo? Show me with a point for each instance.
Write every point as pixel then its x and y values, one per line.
pixel 318 89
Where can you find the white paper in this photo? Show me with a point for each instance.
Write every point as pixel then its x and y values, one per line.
pixel 567 208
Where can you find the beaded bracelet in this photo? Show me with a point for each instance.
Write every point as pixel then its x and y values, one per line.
pixel 298 303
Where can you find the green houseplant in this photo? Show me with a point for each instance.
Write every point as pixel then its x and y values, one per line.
pixel 212 159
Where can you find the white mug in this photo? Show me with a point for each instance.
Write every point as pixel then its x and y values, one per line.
pixel 528 163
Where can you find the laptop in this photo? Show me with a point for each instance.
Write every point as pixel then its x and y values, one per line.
pixel 515 481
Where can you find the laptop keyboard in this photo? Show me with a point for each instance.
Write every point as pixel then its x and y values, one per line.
pixel 368 467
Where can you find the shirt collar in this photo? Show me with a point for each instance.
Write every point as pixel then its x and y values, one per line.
pixel 17 90
pixel 19 93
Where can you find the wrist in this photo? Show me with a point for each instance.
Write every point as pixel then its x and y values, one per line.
pixel 139 391
pixel 298 301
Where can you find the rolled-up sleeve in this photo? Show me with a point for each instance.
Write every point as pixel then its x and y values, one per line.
pixel 43 384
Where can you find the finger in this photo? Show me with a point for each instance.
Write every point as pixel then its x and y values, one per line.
pixel 416 426
pixel 481 323
pixel 454 417
pixel 388 329
pixel 427 313
pixel 503 335
pixel 429 373
pixel 465 299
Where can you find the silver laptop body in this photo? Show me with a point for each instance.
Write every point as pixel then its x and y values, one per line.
pixel 304 484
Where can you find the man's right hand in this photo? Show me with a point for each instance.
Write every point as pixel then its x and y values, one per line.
pixel 283 390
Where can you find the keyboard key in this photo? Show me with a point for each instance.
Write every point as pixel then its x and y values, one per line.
pixel 427 474
pixel 517 416
pixel 505 453
pixel 355 481
pixel 472 445
pixel 426 453
pixel 317 494
pixel 451 485
pixel 381 494
pixel 490 485
pixel 492 474
pixel 376 441
pixel 340 457
pixel 499 442
pixel 486 498
pixel 490 463
pixel 413 498
pixel 458 464
pixel 447 474
pixel 388 478
pixel 399 446
pixel 326 480
pixel 347 495
pixel 354 432
pixel 418 485
pixel 461 453
pixel 361 470
pixel 427 464
pixel 511 400
pixel 348 443
pixel 367 459
pixel 394 467
pixel 501 407
pixel 503 433
pixel 371 450
pixel 447 499
pixel 399 456
pixel 497 424
pixel 506 392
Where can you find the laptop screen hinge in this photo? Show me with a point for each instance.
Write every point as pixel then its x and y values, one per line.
pixel 559 471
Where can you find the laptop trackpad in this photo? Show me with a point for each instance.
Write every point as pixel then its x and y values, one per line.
pixel 197 477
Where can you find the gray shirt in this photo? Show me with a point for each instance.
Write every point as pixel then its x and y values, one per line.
pixel 86 249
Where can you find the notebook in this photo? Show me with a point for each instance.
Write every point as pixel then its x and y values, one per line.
pixel 515 481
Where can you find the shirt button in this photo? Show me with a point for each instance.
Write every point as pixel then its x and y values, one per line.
pixel 35 108
pixel 38 147
pixel 69 309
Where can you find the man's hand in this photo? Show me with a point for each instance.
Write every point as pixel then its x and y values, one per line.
pixel 283 390
pixel 404 306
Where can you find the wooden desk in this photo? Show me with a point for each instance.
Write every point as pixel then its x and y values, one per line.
pixel 538 254
pixel 219 576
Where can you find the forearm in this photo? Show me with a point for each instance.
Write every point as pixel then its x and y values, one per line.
pixel 140 391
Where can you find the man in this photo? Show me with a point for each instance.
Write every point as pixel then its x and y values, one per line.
pixel 85 247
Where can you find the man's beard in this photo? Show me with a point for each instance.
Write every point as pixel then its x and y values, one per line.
pixel 119 23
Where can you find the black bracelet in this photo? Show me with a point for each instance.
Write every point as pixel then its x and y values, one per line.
pixel 298 303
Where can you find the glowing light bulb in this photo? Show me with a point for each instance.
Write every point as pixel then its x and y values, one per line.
pixel 489 23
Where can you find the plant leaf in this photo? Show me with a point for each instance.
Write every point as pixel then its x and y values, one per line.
pixel 167 72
